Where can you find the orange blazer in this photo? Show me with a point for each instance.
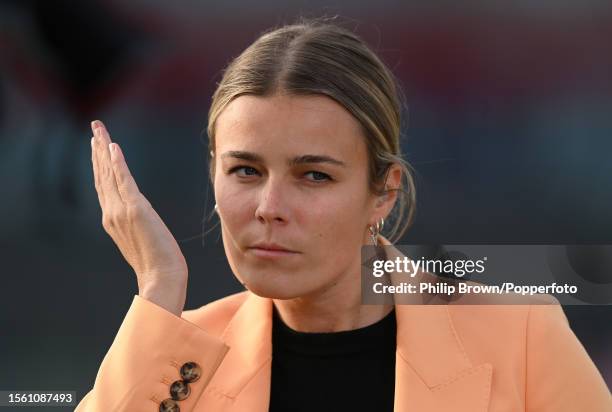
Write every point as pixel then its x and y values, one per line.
pixel 459 358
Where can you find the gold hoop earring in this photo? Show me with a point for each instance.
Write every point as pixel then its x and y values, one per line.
pixel 375 230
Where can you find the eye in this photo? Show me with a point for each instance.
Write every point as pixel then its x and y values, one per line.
pixel 248 171
pixel 318 176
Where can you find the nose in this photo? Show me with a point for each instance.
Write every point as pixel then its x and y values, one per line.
pixel 272 206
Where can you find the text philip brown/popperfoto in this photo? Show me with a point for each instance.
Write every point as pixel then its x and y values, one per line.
pixel 457 268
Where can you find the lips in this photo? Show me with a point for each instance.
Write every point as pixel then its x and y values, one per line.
pixel 271 251
pixel 273 247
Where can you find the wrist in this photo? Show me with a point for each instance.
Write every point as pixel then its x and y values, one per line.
pixel 170 297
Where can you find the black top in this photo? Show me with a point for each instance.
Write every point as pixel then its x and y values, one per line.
pixel 339 371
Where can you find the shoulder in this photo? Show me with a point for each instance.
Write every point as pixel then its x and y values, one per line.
pixel 507 311
pixel 215 316
pixel 497 317
pixel 484 329
pixel 532 349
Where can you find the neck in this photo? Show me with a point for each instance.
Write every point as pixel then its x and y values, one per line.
pixel 334 309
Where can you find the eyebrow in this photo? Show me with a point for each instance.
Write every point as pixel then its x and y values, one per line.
pixel 307 158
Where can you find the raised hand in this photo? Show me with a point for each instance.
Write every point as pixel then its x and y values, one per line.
pixel 137 230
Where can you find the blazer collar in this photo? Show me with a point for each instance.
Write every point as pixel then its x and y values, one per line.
pixel 433 371
pixel 249 337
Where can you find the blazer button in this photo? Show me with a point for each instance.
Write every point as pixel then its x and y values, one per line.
pixel 168 405
pixel 179 390
pixel 191 372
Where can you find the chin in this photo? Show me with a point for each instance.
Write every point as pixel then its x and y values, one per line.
pixel 270 291
pixel 272 287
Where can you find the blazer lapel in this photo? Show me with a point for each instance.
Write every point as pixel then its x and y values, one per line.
pixel 242 381
pixel 433 372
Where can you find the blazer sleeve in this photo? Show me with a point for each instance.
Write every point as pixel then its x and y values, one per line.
pixel 560 374
pixel 145 359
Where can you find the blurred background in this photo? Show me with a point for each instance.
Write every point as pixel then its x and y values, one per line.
pixel 509 129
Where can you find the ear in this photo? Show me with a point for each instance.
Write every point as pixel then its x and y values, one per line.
pixel 384 204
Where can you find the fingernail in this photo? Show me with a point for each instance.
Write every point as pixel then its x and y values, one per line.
pixel 92 142
pixel 97 126
pixel 111 147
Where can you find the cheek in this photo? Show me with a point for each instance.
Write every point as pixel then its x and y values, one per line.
pixel 336 233
pixel 236 204
pixel 339 220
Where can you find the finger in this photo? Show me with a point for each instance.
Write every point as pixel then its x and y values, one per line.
pixel 103 137
pixel 96 173
pixel 126 185
pixel 107 177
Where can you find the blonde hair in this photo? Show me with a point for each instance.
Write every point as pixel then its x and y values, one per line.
pixel 319 57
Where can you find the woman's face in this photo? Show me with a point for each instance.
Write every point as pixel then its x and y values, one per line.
pixel 291 172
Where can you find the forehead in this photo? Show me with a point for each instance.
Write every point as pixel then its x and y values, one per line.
pixel 284 122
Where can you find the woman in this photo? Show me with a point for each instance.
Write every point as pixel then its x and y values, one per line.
pixel 305 162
